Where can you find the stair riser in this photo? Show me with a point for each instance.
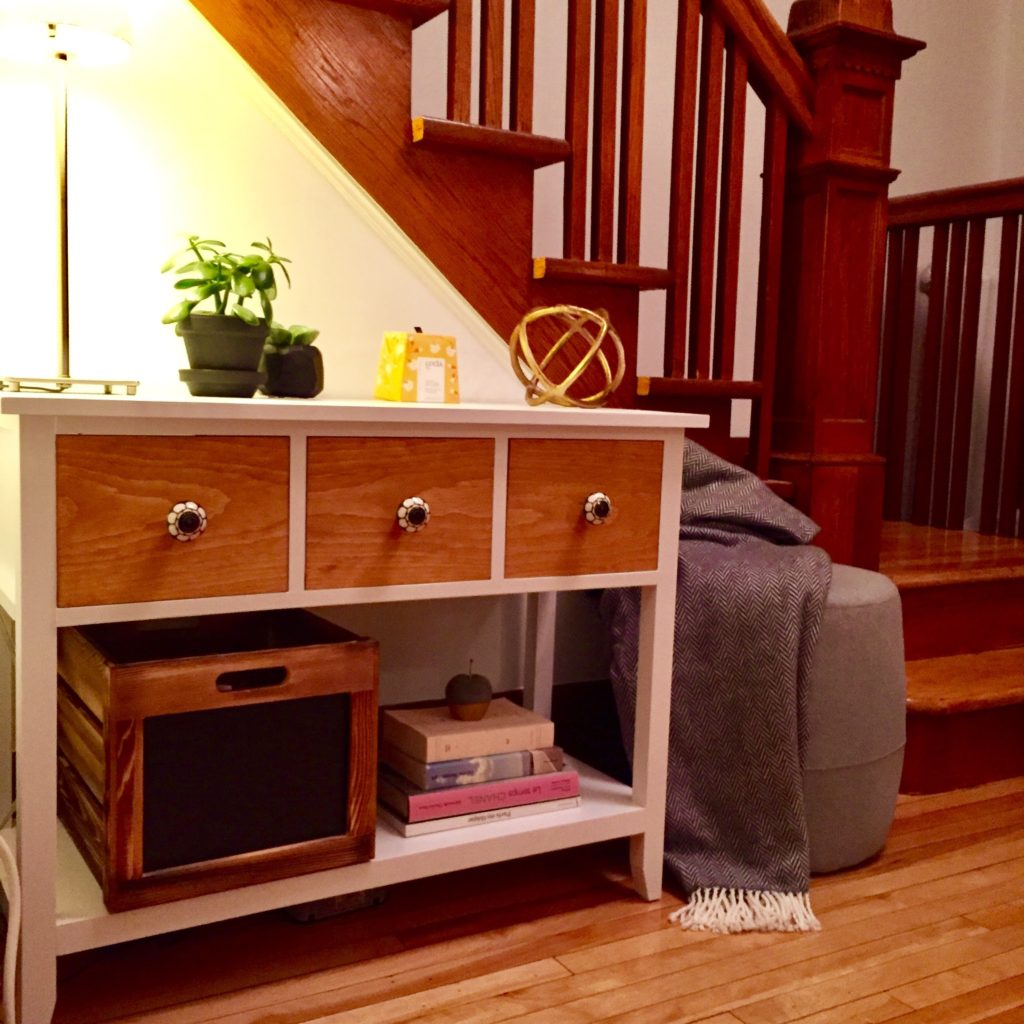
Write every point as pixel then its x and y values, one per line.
pixel 962 749
pixel 963 618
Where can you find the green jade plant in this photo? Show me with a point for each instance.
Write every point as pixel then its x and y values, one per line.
pixel 228 280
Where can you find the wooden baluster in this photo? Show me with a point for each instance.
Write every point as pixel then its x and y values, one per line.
pixel 634 49
pixel 577 112
pixel 929 390
pixel 460 59
pixel 731 198
pixel 887 385
pixel 681 190
pixel 602 186
pixel 998 380
pixel 1013 451
pixel 524 30
pixel 965 379
pixel 905 306
pixel 709 130
pixel 769 275
pixel 492 56
pixel 946 399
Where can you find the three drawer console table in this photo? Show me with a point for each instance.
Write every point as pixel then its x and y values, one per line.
pixel 296 504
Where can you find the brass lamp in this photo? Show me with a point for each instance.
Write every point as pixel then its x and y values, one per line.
pixel 90 32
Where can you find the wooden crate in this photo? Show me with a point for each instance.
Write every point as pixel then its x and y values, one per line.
pixel 196 755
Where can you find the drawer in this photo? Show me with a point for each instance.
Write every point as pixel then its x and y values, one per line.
pixel 113 499
pixel 546 531
pixel 354 487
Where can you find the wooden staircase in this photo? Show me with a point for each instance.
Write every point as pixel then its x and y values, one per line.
pixel 963 614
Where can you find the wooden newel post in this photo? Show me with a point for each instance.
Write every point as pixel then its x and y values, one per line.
pixel 832 272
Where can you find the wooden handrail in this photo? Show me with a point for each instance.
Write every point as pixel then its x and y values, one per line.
pixel 991 199
pixel 774 62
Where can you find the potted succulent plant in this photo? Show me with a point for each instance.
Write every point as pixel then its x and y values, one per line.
pixel 294 367
pixel 225 343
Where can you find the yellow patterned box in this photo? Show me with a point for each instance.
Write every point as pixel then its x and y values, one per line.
pixel 417 368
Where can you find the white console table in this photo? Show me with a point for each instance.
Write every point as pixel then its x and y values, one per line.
pixel 82 545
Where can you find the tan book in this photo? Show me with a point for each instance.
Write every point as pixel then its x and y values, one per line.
pixel 431 734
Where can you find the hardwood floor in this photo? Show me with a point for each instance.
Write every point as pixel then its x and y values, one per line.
pixel 931 931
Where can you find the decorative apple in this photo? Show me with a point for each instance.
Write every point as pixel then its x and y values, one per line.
pixel 468 695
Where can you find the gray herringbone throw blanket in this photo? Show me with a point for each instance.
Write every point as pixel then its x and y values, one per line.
pixel 750 600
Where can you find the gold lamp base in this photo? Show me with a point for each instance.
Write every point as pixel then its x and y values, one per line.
pixel 62 384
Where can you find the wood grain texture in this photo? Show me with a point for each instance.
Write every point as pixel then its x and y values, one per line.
pixel 631 141
pixel 605 133
pixel 347 80
pixel 577 129
pixel 705 207
pixel 524 30
pixel 492 62
pixel 730 199
pixel 460 60
pixel 966 682
pixel 417 12
pixel 113 497
pixel 948 365
pixel 780 71
pixel 80 739
pixel 110 829
pixel 989 520
pixel 930 928
pixel 620 275
pixel 681 187
pixel 769 277
pixel 928 394
pixel 548 482
pixel 834 252
pixel 965 376
pixel 535 150
pixel 990 199
pixel 354 488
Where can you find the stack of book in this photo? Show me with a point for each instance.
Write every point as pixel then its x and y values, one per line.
pixel 439 773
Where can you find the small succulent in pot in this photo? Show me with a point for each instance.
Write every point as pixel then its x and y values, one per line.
pixel 294 367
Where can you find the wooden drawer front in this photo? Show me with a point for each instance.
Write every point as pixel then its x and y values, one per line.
pixel 354 487
pixel 548 482
pixel 113 497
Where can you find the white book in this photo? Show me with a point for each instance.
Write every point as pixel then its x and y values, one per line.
pixel 420 828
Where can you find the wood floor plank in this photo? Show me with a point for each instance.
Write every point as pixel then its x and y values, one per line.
pixel 928 931
pixel 982 1004
pixel 873 1009
pixel 873 978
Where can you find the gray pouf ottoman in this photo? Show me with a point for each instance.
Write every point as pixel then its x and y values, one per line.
pixel 856 720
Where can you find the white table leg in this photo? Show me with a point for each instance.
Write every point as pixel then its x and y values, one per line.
pixel 36 724
pixel 539 656
pixel 650 744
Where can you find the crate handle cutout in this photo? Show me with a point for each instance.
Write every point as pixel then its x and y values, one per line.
pixel 251 679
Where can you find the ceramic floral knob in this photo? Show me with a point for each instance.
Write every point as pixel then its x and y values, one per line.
pixel 186 521
pixel 413 514
pixel 597 508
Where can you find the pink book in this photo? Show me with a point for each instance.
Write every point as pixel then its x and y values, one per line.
pixel 413 804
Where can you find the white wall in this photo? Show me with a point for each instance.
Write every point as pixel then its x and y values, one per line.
pixel 958 105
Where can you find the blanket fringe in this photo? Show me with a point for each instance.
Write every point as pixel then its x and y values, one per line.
pixel 747 910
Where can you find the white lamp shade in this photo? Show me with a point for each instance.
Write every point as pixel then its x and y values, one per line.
pixel 91 32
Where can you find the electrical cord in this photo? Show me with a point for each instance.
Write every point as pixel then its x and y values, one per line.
pixel 13 886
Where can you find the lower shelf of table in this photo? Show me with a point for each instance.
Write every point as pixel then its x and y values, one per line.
pixel 606 811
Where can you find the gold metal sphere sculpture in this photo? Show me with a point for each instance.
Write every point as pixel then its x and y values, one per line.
pixel 592 328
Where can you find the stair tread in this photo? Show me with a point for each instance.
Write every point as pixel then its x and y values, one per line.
pixel 600 272
pixel 966 682
pixel 539 150
pixel 417 11
pixel 926 556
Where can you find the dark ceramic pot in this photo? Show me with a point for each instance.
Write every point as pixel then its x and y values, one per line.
pixel 214 341
pixel 293 372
